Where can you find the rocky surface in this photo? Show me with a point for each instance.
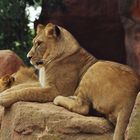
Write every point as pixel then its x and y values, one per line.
pixel 35 121
pixel 133 129
pixel 132 41
pixel 131 20
pixel 95 24
pixel 9 62
pixel 135 10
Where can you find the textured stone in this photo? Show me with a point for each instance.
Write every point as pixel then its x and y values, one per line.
pixel 132 30
pixel 9 62
pixel 133 129
pixel 35 121
pixel 132 41
pixel 135 10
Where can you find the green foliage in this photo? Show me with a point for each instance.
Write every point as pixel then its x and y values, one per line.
pixel 14 32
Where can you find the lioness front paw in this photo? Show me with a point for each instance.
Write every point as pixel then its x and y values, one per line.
pixel 6 100
pixel 57 100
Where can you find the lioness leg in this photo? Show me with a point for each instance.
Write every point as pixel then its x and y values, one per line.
pixel 27 94
pixel 22 86
pixel 122 122
pixel 73 103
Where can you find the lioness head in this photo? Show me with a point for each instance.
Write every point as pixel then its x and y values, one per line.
pixel 6 82
pixel 51 43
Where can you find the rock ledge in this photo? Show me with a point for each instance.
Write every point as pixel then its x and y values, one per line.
pixel 36 121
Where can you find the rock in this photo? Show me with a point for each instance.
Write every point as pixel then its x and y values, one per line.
pixel 135 10
pixel 95 24
pixel 1 113
pixel 133 129
pixel 9 62
pixel 130 13
pixel 36 121
pixel 132 41
pixel 132 32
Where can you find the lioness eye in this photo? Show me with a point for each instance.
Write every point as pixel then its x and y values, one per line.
pixel 39 42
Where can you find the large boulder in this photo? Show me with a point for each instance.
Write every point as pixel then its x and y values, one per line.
pixel 9 62
pixel 36 121
pixel 96 25
pixel 132 41
pixel 135 10
pixel 133 129
pixel 132 37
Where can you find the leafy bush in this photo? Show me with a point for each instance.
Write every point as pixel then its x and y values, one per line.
pixel 14 32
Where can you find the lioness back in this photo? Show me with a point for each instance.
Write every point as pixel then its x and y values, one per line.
pixel 115 83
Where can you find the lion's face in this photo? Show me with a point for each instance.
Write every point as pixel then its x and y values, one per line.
pixel 6 82
pixel 45 45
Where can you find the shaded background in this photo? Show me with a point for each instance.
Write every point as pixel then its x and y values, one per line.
pixel 109 29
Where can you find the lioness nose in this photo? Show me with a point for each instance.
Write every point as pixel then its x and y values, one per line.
pixel 29 57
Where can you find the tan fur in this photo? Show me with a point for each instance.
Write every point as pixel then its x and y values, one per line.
pixel 67 69
pixel 6 82
pixel 23 77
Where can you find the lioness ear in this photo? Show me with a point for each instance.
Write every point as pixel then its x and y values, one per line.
pixel 5 78
pixel 57 31
pixel 40 27
pixel 53 31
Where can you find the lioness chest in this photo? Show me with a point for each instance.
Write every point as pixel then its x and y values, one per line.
pixel 42 77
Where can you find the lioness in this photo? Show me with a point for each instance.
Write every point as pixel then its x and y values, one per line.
pixel 67 69
pixel 19 79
